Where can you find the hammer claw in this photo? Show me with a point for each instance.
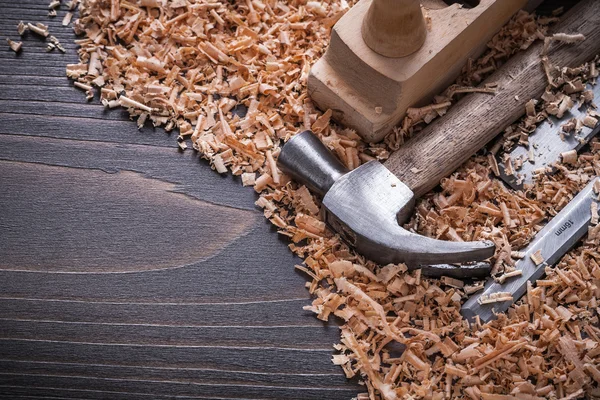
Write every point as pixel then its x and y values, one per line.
pixel 394 244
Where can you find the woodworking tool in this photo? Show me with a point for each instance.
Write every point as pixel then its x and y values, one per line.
pixel 396 59
pixel 367 205
pixel 552 242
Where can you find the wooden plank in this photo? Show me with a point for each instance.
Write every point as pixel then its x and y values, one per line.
pixel 132 223
pixel 67 109
pixel 244 266
pixel 38 53
pixel 78 128
pixel 185 169
pixel 180 374
pixel 177 389
pixel 263 359
pixel 55 392
pixel 65 94
pixel 49 81
pixel 10 67
pixel 284 311
pixel 291 336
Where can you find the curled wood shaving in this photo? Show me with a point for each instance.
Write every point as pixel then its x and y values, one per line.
pixel 22 28
pixel 561 37
pixel 56 43
pixel 537 257
pixel 14 46
pixel 590 121
pixel 508 275
pixel 127 102
pixel 39 29
pixel 569 157
pixel 495 298
pixel 67 19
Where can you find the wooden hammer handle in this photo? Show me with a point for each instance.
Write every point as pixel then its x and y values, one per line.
pixel 444 145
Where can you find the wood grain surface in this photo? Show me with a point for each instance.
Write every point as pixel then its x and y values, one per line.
pixel 129 269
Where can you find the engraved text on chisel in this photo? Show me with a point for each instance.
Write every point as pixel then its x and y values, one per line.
pixel 564 227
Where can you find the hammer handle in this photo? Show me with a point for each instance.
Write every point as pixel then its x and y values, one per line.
pixel 444 145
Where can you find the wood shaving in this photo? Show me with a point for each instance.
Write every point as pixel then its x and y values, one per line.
pixel 14 46
pixel 127 102
pixel 537 257
pixel 590 121
pixel 248 178
pixel 502 278
pixel 38 28
pixel 455 283
pixel 470 289
pixel 569 157
pixel 495 298
pixel 231 77
pixel 56 43
pixel 561 37
pixel 67 19
pixel 22 28
pixel 566 87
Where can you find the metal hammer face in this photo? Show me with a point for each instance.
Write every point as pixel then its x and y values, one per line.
pixel 367 205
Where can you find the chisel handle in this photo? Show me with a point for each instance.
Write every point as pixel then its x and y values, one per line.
pixel 445 144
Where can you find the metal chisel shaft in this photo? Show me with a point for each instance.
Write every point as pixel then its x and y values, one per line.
pixel 554 240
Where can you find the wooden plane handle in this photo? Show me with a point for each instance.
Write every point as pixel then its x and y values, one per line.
pixel 445 144
pixel 394 28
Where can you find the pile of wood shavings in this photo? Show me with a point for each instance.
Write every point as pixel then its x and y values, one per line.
pixel 195 65
pixel 191 65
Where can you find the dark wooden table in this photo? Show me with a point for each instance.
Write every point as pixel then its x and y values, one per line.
pixel 129 269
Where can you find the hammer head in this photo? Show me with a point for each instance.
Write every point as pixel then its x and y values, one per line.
pixel 367 205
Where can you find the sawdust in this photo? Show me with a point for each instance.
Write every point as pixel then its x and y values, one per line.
pixel 196 65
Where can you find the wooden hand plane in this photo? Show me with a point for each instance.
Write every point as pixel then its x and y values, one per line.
pixel 388 55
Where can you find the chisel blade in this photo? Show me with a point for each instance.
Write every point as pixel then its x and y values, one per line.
pixel 547 145
pixel 554 240
pixel 475 270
